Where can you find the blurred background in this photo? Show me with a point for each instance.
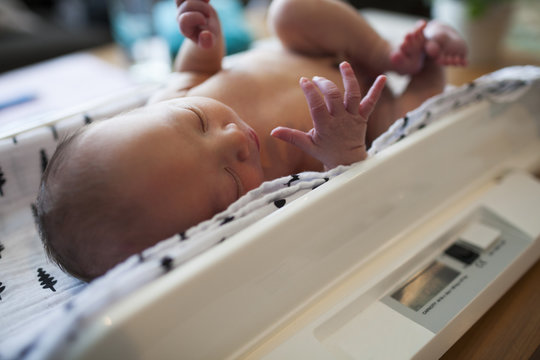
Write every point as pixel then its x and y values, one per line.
pixel 35 30
pixel 56 54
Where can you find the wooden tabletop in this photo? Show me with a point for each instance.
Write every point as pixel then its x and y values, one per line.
pixel 510 329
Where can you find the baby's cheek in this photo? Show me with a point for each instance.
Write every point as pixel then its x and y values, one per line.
pixel 226 196
pixel 254 181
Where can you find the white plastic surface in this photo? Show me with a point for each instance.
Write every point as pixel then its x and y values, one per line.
pixel 350 327
pixel 359 341
pixel 510 207
pixel 480 235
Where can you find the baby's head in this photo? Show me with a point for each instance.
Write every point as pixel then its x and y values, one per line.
pixel 116 187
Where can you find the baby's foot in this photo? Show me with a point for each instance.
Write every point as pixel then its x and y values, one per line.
pixel 409 57
pixel 445 45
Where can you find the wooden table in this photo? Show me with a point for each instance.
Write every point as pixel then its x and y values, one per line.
pixel 510 329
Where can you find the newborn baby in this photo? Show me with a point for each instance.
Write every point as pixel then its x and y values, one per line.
pixel 116 187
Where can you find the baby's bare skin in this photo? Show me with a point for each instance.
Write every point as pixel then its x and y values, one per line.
pixel 260 85
pixel 233 123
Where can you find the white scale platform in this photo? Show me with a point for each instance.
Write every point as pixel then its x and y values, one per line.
pixel 426 309
pixel 394 259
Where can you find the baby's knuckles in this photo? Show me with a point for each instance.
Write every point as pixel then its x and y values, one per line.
pixel 180 2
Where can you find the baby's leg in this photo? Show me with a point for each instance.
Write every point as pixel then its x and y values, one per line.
pixel 445 45
pixel 424 52
pixel 330 28
pixel 429 82
pixel 333 28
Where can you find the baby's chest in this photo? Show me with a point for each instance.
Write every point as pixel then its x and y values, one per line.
pixel 248 84
pixel 265 95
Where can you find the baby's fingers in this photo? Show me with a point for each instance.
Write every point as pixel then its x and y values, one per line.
pixel 190 24
pixel 332 96
pixel 193 17
pixel 206 39
pixel 198 6
pixel 180 2
pixel 352 88
pixel 370 100
pixel 295 137
pixel 317 107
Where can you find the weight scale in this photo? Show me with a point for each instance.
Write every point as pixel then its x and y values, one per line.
pixel 394 259
pixel 467 266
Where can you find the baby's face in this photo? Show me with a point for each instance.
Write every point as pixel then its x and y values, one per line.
pixel 180 161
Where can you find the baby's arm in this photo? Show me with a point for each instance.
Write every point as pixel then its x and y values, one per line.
pixel 339 122
pixel 199 22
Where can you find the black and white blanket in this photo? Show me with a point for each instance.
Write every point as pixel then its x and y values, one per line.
pixel 35 295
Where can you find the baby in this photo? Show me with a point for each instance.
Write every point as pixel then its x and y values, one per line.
pixel 116 187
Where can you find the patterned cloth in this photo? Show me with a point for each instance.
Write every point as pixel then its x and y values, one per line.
pixel 34 294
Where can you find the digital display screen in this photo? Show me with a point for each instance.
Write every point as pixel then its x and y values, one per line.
pixel 423 287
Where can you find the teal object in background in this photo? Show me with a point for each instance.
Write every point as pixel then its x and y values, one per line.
pixel 129 27
pixel 130 20
pixel 238 36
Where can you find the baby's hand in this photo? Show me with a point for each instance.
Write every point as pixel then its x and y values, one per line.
pixel 198 21
pixel 340 122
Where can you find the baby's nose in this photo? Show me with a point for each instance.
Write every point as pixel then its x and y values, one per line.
pixel 237 142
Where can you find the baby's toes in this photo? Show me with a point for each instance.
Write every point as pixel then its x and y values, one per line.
pixel 457 60
pixel 449 60
pixel 417 43
pixel 460 53
pixel 406 46
pixel 419 38
pixel 433 49
pixel 445 60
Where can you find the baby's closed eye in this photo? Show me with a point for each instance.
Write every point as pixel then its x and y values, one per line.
pixel 201 116
pixel 237 182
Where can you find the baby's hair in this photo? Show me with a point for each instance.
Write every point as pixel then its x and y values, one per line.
pixel 44 213
pixel 77 214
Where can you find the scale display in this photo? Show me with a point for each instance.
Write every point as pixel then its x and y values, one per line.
pixel 424 286
pixel 439 291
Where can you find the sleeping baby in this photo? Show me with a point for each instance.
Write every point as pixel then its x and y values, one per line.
pixel 116 187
